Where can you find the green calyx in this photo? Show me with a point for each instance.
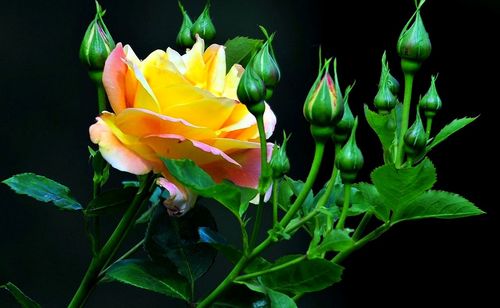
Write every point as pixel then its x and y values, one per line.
pixel 280 165
pixel 415 138
pixel 350 159
pixel 97 42
pixel 324 105
pixel 385 100
pixel 184 38
pixel 251 89
pixel 265 65
pixel 394 85
pixel 343 128
pixel 203 26
pixel 414 43
pixel 431 102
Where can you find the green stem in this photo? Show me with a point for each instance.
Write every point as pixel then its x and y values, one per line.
pixel 109 249
pixel 130 252
pixel 96 77
pixel 405 118
pixel 311 178
pixel 275 202
pixel 263 175
pixel 362 242
pixel 272 269
pixel 362 226
pixel 224 284
pixel 345 207
pixel 428 127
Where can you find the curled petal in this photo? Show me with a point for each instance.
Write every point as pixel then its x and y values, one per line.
pixel 180 199
pixel 113 78
pixel 115 152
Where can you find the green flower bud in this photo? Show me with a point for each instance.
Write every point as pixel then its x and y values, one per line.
pixel 343 128
pixel 251 90
pixel 324 105
pixel 393 82
pixel 184 38
pixel 97 43
pixel 414 45
pixel 265 65
pixel 350 159
pixel 280 165
pixel 385 100
pixel 203 26
pixel 415 138
pixel 431 102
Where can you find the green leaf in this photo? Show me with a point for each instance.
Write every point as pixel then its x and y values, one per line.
pixel 43 189
pixel 437 204
pixel 22 299
pixel 276 299
pixel 240 50
pixel 231 253
pixel 151 276
pixel 284 195
pixel 449 130
pixel 372 197
pixel 335 240
pixel 100 167
pixel 384 125
pixel 110 202
pixel 305 276
pixel 233 197
pixel 176 240
pixel 239 296
pixel 398 187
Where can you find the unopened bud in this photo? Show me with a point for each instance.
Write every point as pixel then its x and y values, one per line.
pixel 184 38
pixel 203 26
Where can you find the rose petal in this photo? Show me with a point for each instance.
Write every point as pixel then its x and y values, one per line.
pixel 114 152
pixel 196 71
pixel 231 81
pixel 113 78
pixel 248 175
pixel 215 59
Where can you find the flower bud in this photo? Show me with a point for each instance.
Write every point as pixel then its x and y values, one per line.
pixel 431 102
pixel 251 89
pixel 385 100
pixel 414 45
pixel 343 128
pixel 203 26
pixel 324 105
pixel 393 82
pixel 415 138
pixel 97 43
pixel 280 165
pixel 265 65
pixel 350 159
pixel 184 38
pixel 179 201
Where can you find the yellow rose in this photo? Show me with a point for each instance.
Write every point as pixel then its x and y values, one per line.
pixel 176 106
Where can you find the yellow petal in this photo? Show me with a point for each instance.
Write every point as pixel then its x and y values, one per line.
pixel 232 80
pixel 196 71
pixel 215 59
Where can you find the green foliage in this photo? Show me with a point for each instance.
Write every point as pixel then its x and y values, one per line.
pixel 22 299
pixel 240 50
pixel 436 204
pixel 305 276
pixel 276 299
pixel 176 240
pixel 449 130
pixel 233 197
pixel 100 166
pixel 151 276
pixel 43 189
pixel 399 187
pixel 238 296
pixel 335 240
pixel 373 198
pixel 110 202
pixel 385 126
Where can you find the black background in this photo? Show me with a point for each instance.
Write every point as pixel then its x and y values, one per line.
pixel 47 104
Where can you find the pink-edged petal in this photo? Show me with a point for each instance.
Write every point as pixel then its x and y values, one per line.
pixel 177 147
pixel 247 175
pixel 246 127
pixel 115 152
pixel 113 78
pixel 180 199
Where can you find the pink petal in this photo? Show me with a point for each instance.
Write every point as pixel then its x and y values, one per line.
pixel 113 78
